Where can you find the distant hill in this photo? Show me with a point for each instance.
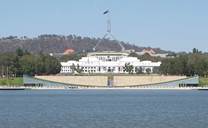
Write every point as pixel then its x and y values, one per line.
pixel 57 44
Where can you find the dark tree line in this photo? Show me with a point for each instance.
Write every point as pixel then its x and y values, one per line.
pixel 190 64
pixel 22 62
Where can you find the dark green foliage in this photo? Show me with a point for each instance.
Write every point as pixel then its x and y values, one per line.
pixel 190 64
pixel 28 64
pixel 79 69
pixel 40 64
pixel 73 68
pixel 138 70
pixel 144 57
pixel 22 62
pixel 9 64
pixel 128 68
pixel 19 52
pixel 148 70
pixel 156 70
pixel 76 69
pixel 195 51
pixel 76 57
pixel 133 54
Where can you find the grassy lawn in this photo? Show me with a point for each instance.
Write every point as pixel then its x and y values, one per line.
pixel 11 81
pixel 203 81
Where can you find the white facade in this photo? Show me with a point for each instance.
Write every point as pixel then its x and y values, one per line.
pixel 107 62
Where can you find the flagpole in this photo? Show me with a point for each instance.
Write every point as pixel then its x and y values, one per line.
pixel 108 33
pixel 108 22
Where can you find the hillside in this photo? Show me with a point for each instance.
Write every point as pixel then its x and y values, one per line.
pixel 57 44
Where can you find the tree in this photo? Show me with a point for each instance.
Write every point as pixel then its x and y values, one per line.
pixel 196 51
pixel 79 69
pixel 190 64
pixel 39 64
pixel 138 70
pixel 51 64
pixel 133 54
pixel 128 68
pixel 8 63
pixel 73 68
pixel 76 57
pixel 19 52
pixel 156 70
pixel 27 63
pixel 148 70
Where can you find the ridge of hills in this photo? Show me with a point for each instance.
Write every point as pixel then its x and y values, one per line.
pixel 51 43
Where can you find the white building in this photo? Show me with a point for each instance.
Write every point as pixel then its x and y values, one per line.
pixel 108 62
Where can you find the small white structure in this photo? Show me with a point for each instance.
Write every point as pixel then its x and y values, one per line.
pixel 108 62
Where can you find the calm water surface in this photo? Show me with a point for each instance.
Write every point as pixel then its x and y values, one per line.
pixel 103 109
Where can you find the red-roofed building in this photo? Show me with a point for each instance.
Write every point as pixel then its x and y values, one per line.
pixel 69 51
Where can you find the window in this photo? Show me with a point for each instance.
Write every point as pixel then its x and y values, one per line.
pixel 104 68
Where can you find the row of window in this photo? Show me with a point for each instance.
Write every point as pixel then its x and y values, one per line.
pixel 109 58
pixel 68 67
pixel 93 69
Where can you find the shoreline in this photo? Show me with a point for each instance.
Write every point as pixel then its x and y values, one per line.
pixel 100 88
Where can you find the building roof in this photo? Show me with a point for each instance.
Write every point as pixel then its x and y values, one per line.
pixel 108 53
pixel 129 59
pixel 68 51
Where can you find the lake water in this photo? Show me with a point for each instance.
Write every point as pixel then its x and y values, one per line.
pixel 104 109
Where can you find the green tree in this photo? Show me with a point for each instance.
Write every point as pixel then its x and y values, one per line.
pixel 73 68
pixel 76 57
pixel 138 70
pixel 51 64
pixel 40 64
pixel 8 63
pixel 148 70
pixel 128 68
pixel 79 69
pixel 156 70
pixel 133 54
pixel 28 64
pixel 190 64
pixel 19 52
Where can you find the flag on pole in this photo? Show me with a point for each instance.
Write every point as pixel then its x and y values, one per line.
pixel 107 11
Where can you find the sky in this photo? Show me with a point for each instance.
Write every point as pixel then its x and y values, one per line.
pixel 176 25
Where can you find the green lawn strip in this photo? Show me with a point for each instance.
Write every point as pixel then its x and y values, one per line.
pixel 17 81
pixel 203 81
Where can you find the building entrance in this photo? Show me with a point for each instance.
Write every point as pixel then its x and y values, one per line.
pixel 110 81
pixel 109 70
